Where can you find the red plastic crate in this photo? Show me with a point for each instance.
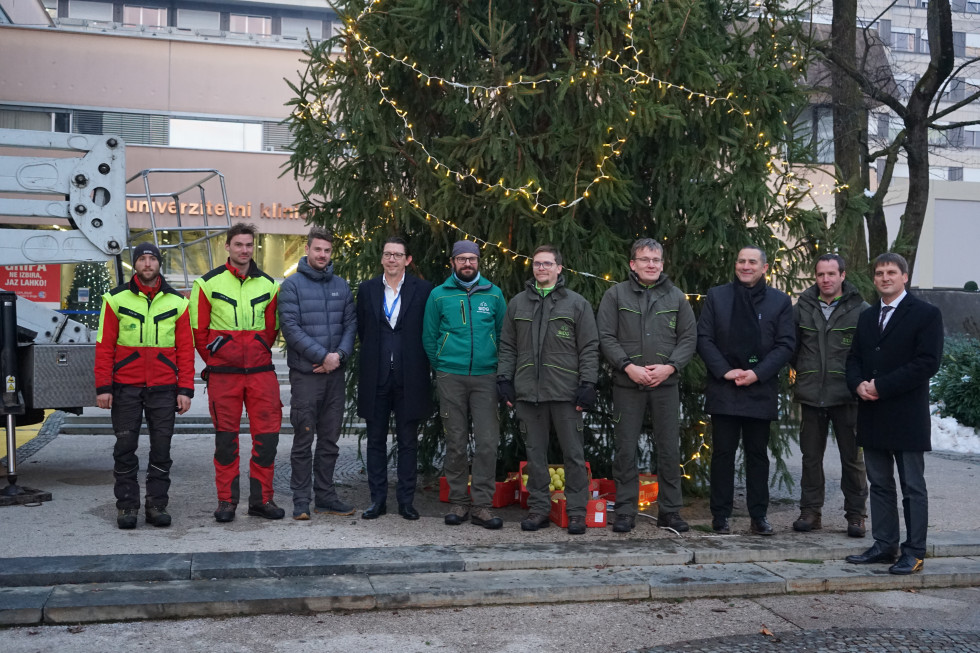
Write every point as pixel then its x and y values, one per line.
pixel 505 494
pixel 603 488
pixel 595 513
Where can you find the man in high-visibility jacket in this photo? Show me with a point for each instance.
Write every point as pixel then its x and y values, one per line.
pixel 144 363
pixel 233 314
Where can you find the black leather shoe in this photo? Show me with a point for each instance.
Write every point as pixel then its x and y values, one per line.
pixel 535 521
pixel 761 526
pixel 375 510
pixel 269 510
pixel 907 564
pixel 875 554
pixel 720 525
pixel 408 511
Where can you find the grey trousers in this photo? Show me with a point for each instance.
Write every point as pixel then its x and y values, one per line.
pixel 316 411
pixel 460 398
pixel 629 405
pixel 813 444
pixel 881 466
pixel 536 422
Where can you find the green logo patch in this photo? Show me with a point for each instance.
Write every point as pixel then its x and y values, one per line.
pixel 673 323
pixel 847 340
pixel 564 332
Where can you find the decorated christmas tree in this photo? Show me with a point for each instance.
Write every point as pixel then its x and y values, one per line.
pixel 91 281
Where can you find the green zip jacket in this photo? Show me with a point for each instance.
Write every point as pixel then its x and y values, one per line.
pixel 646 326
pixel 822 346
pixel 461 327
pixel 549 345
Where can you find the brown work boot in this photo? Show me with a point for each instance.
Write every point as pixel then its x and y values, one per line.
pixel 483 516
pixel 535 521
pixel 809 521
pixel 855 526
pixel 576 525
pixel 457 515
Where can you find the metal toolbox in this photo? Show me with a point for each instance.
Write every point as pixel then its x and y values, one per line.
pixel 58 376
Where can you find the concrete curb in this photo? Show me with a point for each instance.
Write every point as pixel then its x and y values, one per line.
pixel 154 586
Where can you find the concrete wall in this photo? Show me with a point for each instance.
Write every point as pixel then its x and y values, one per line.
pixel 961 309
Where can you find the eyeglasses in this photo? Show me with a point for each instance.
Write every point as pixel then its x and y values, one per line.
pixel 543 265
pixel 467 260
pixel 393 256
pixel 648 261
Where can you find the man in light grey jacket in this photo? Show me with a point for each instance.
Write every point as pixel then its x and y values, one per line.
pixel 317 318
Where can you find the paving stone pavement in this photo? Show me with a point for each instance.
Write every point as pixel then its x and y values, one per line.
pixel 832 641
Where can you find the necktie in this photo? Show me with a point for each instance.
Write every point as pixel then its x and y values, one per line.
pixel 885 310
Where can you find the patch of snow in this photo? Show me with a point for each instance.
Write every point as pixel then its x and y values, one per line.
pixel 950 435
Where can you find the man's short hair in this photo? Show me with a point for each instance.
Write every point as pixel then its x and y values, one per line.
pixel 832 257
pixel 397 240
pixel 891 257
pixel 548 249
pixel 319 233
pixel 240 228
pixel 646 243
pixel 762 252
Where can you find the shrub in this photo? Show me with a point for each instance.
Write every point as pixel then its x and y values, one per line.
pixel 956 387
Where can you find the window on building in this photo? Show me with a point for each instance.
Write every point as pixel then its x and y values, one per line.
pixel 923 42
pixel 956 174
pixel 148 16
pixel 216 135
pixel 814 136
pixel 241 24
pixel 97 11
pixel 297 28
pixel 971 136
pixel 972 7
pixel 35 120
pixel 195 19
pixel 903 41
pixel 906 84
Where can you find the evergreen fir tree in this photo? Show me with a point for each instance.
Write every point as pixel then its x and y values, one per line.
pixel 578 123
pixel 96 279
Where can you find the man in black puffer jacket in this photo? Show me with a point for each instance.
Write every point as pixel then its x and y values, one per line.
pixel 316 315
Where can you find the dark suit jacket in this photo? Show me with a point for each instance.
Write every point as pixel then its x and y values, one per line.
pixel 901 360
pixel 759 400
pixel 415 364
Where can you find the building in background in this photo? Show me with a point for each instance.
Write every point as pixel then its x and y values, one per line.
pixel 186 84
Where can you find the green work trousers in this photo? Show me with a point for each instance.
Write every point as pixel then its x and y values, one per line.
pixel 536 423
pixel 462 397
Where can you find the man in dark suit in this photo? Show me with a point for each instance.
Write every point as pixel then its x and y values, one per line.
pixel 394 374
pixel 896 350
pixel 746 335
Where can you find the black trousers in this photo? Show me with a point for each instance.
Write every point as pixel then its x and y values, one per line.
pixel 390 398
pixel 727 432
pixel 129 404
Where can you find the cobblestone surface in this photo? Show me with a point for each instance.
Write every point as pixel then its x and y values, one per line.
pixel 833 641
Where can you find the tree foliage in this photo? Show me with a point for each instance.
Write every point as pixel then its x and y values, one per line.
pixel 584 124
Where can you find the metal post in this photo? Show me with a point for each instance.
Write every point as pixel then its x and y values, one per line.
pixel 13 400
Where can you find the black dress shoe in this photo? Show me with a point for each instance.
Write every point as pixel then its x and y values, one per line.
pixel 877 553
pixel 408 511
pixel 907 564
pixel 375 510
pixel 720 525
pixel 761 526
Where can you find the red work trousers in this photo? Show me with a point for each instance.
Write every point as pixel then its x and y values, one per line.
pixel 259 393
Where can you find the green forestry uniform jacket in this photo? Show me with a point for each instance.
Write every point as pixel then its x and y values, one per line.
pixel 822 346
pixel 646 326
pixel 549 345
pixel 462 326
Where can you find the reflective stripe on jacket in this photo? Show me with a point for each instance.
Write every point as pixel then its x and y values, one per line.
pixel 143 341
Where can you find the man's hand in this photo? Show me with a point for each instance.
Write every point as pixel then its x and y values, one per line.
pixel 506 392
pixel 747 377
pixel 183 404
pixel 867 391
pixel 104 400
pixel 330 362
pixel 585 397
pixel 638 375
pixel 658 374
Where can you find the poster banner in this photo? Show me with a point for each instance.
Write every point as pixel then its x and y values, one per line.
pixel 38 283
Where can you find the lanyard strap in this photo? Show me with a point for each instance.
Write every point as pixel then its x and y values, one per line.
pixel 389 312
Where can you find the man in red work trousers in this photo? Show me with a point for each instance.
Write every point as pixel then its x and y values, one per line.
pixel 233 314
pixel 144 364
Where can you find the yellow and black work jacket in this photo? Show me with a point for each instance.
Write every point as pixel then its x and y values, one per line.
pixel 144 341
pixel 234 319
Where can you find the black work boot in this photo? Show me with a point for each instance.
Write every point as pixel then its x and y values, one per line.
pixel 126 518
pixel 158 517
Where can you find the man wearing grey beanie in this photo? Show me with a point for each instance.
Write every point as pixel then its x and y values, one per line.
pixel 460 332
